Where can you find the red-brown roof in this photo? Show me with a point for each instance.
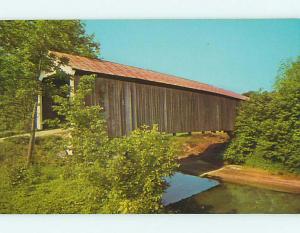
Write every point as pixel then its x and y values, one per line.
pixel 111 68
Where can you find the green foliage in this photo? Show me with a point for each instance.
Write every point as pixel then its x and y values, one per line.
pixel 268 125
pixel 24 47
pixel 41 188
pixel 136 171
pixel 98 175
pixel 88 137
pixel 247 127
pixel 129 172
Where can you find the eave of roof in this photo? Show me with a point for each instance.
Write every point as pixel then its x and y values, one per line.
pixel 111 68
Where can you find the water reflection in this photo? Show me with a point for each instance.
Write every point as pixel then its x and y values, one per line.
pixel 232 198
pixel 182 186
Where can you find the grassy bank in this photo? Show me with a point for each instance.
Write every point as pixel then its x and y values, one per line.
pixel 45 187
pixel 22 189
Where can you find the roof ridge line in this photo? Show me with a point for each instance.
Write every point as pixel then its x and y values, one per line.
pixel 179 77
pixel 214 89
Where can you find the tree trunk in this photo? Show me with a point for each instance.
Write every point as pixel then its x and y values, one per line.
pixel 32 135
pixel 33 117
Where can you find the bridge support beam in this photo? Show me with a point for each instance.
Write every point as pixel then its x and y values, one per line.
pixel 39 113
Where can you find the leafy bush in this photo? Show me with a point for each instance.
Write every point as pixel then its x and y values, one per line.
pixel 136 171
pixel 99 174
pixel 268 125
pixel 17 175
pixel 130 171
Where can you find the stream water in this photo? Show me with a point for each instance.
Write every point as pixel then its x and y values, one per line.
pixel 201 195
pixel 190 193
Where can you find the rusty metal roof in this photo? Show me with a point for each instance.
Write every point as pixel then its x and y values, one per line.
pixel 111 68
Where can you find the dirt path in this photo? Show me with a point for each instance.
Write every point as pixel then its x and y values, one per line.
pixel 256 177
pixel 201 152
pixel 200 143
pixel 39 133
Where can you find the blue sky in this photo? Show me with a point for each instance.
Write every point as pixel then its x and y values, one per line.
pixel 238 55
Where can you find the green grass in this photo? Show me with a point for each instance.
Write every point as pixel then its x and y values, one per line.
pixel 273 167
pixel 29 190
pixel 44 187
pixel 195 138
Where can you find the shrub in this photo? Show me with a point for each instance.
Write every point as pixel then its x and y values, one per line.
pixel 136 172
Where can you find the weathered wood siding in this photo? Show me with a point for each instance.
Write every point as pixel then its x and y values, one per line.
pixel 131 104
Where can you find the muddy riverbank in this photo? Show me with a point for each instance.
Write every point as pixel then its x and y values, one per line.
pixel 203 156
pixel 256 177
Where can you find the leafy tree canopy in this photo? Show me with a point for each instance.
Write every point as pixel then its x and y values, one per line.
pixel 24 47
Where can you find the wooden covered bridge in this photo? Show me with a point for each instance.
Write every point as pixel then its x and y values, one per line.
pixel 132 97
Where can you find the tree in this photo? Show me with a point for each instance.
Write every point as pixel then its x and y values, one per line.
pixel 24 53
pixel 268 126
pixel 251 114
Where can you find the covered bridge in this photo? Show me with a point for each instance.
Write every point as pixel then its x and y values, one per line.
pixel 132 97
